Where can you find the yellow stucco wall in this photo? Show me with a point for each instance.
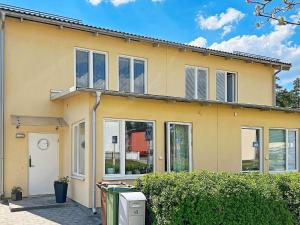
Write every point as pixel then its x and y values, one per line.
pixel 216 130
pixel 47 53
pixel 77 110
pixel 41 57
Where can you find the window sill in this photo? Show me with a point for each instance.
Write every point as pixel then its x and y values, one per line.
pixel 125 177
pixel 284 171
pixel 251 171
pixel 76 177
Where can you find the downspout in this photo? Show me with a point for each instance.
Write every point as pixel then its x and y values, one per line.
pixel 2 105
pixel 274 85
pixel 97 103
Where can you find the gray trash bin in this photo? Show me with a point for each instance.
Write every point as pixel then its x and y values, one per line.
pixel 132 208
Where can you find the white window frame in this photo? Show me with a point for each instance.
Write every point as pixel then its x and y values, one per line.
pixel 190 125
pixel 196 79
pixel 235 84
pixel 122 135
pixel 261 155
pixel 90 66
pixel 77 174
pixel 131 59
pixel 286 150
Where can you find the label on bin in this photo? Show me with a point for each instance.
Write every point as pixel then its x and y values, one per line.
pixel 136 212
pixel 136 208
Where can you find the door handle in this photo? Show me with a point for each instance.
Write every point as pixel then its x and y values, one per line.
pixel 30 164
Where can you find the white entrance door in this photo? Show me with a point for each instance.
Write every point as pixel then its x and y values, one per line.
pixel 43 163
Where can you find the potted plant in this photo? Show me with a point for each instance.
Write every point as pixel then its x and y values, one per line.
pixel 61 189
pixel 16 194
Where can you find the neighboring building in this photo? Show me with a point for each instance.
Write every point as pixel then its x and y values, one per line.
pixel 96 104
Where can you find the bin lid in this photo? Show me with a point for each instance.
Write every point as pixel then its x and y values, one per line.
pixel 133 196
pixel 118 188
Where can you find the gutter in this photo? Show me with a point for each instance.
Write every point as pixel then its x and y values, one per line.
pixel 97 103
pixel 274 84
pixel 2 105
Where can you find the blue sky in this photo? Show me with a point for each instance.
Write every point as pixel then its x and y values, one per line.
pixel 225 25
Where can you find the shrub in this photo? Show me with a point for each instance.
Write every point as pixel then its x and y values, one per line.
pixel 208 198
pixel 289 186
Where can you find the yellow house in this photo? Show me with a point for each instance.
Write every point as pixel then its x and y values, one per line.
pixel 95 104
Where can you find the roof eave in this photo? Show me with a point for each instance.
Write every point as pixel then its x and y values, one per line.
pixel 60 95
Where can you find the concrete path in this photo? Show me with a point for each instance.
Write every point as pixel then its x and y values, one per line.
pixel 73 214
pixel 37 202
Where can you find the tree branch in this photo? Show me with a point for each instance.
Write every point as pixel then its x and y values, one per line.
pixel 263 8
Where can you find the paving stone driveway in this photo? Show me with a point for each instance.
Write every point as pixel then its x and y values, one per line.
pixel 69 215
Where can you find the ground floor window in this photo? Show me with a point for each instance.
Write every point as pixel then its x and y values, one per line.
pixel 128 147
pixel 283 150
pixel 251 145
pixel 179 147
pixel 78 149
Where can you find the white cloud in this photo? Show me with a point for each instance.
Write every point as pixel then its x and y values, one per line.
pixel 95 2
pixel 223 21
pixel 226 30
pixel 296 18
pixel 274 44
pixel 116 2
pixel 121 2
pixel 199 42
pixel 270 42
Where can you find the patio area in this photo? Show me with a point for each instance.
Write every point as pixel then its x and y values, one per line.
pixel 43 210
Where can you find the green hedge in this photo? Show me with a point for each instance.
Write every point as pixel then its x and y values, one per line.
pixel 208 198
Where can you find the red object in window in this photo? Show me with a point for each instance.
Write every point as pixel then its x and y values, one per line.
pixel 138 143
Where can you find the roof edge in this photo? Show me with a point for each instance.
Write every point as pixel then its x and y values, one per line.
pixel 64 94
pixel 77 25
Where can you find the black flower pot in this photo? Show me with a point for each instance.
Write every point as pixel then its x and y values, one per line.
pixel 16 196
pixel 61 190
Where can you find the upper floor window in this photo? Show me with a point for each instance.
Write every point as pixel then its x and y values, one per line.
pixel 226 86
pixel 91 69
pixel 283 150
pixel 132 75
pixel 196 82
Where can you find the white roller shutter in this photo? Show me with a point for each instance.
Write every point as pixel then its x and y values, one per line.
pixel 190 82
pixel 220 81
pixel 202 83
